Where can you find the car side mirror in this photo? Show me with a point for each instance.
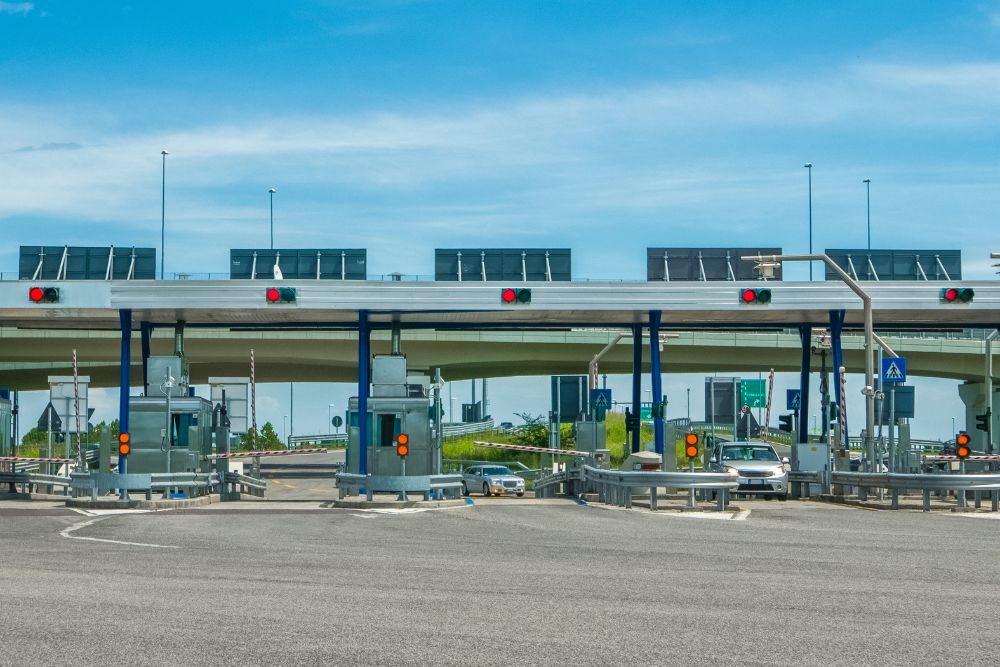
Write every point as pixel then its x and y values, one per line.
pixel 784 460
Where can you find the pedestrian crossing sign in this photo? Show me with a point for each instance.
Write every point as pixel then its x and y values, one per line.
pixel 894 369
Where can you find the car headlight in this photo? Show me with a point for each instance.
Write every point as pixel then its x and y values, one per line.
pixel 496 482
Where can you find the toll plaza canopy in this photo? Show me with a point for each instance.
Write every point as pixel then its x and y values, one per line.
pixel 97 304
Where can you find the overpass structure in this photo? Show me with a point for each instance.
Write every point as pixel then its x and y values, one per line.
pixel 28 356
pixel 359 308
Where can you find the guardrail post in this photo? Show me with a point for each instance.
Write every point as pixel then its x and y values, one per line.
pixel 895 499
pixel 652 499
pixel 927 500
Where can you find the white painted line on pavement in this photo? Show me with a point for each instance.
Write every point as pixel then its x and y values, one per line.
pixel 67 533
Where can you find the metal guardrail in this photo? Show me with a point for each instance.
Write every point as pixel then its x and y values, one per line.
pixel 897 482
pixel 617 487
pixel 428 485
pixel 30 481
pixel 238 484
pixel 94 483
pixel 449 430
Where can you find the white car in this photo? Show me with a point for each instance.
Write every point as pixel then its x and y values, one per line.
pixel 761 471
pixel 491 479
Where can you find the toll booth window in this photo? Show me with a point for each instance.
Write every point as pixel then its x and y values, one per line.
pixel 179 430
pixel 388 429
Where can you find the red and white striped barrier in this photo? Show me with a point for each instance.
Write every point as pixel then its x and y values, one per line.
pixel 22 459
pixel 268 452
pixel 526 448
pixel 951 457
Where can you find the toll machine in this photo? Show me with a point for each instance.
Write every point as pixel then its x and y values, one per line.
pixel 395 406
pixel 189 436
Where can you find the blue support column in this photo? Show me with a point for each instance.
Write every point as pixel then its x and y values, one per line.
pixel 636 382
pixel 146 329
pixel 805 335
pixel 836 328
pixel 364 354
pixel 656 379
pixel 125 317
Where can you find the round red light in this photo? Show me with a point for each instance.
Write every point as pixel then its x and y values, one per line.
pixel 749 296
pixel 35 294
pixel 951 294
pixel 273 295
pixel 508 295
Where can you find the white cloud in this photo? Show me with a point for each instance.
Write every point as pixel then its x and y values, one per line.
pixel 16 7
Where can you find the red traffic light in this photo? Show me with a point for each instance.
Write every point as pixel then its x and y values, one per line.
pixel 751 295
pixel 957 294
pixel 280 295
pixel 520 295
pixel 43 295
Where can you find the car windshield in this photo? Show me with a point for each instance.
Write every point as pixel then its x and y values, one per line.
pixel 749 453
pixel 497 470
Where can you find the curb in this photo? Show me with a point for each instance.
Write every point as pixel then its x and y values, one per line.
pixel 115 504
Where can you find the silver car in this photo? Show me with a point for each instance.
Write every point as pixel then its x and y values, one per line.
pixel 761 471
pixel 491 479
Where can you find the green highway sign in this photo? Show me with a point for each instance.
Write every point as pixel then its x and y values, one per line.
pixel 753 393
pixel 645 412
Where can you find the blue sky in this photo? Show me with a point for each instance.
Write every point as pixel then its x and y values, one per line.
pixel 401 126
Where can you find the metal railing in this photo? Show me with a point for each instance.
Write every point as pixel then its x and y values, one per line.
pixel 617 487
pixel 427 485
pixel 237 484
pixel 31 481
pixel 450 430
pixel 97 483
pixel 896 483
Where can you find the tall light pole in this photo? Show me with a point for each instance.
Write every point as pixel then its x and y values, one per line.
pixel 329 416
pixel 689 404
pixel 271 194
pixel 868 201
pixel 809 168
pixel 163 211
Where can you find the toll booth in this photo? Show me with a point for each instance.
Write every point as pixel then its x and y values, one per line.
pixel 395 406
pixel 591 437
pixel 189 436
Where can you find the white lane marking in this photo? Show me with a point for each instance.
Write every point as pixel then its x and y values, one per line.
pixel 67 533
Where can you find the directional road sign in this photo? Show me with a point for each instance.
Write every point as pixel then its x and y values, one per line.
pixel 338 421
pixel 753 393
pixel 793 399
pixel 894 369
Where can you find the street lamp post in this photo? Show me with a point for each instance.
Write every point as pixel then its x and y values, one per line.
pixel 689 404
pixel 869 390
pixel 809 168
pixel 163 211
pixel 329 417
pixel 271 195
pixel 868 202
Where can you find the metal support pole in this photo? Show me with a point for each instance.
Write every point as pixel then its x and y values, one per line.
pixel 636 383
pixel 125 317
pixel 364 344
pixel 656 381
pixel 836 346
pixel 146 329
pixel 805 336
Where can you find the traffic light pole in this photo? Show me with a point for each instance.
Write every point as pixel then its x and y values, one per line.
pixel 125 317
pixel 656 380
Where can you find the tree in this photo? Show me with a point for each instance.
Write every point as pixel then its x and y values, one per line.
pixel 534 433
pixel 268 439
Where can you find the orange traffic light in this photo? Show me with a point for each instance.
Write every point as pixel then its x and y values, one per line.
pixel 124 444
pixel 691 445
pixel 402 444
pixel 963 447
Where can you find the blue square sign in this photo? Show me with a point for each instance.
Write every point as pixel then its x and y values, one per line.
pixel 793 399
pixel 894 369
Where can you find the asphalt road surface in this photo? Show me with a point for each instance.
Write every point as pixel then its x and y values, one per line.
pixel 513 582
